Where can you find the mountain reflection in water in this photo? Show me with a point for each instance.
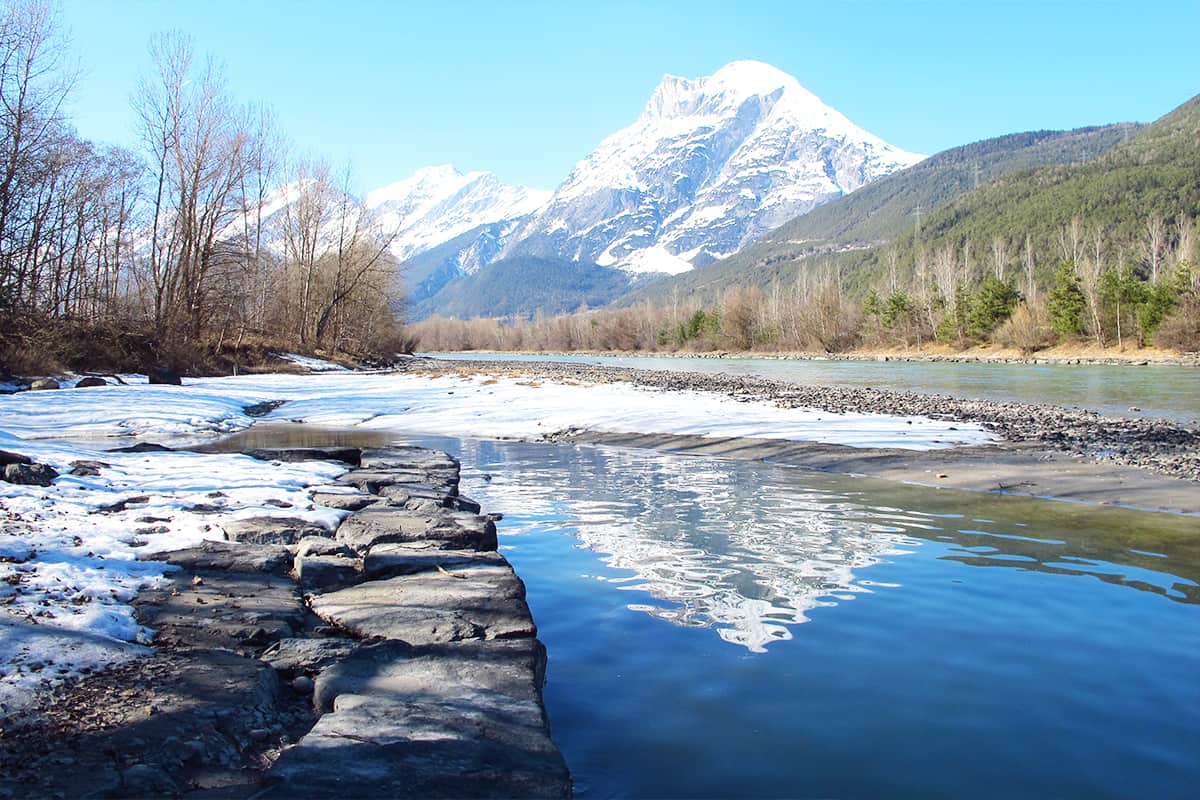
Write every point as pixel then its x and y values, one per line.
pixel 748 549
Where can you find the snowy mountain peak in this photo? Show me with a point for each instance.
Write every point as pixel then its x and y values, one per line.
pixel 436 204
pixel 725 89
pixel 710 164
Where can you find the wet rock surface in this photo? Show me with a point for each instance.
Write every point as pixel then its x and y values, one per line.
pixel 452 720
pixel 1158 445
pixel 418 677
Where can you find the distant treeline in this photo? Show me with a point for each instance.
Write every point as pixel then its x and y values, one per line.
pixel 1142 289
pixel 186 241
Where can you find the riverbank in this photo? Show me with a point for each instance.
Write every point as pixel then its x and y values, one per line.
pixel 295 660
pixel 1059 355
pixel 1155 446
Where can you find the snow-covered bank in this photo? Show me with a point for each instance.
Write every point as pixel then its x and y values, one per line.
pixel 68 552
pixel 462 406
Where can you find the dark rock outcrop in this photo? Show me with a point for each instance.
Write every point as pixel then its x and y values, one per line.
pixel 30 474
pixel 163 376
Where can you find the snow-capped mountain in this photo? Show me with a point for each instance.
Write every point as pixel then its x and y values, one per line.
pixel 711 164
pixel 438 204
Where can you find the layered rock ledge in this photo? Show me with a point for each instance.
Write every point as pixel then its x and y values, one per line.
pixel 392 657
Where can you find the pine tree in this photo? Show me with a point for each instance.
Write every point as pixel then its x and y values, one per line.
pixel 1066 302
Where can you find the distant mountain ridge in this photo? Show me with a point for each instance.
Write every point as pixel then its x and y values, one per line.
pixel 710 165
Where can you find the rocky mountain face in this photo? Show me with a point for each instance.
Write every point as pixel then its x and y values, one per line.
pixel 710 165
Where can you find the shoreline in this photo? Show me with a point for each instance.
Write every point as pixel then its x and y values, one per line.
pixel 1153 450
pixel 1084 356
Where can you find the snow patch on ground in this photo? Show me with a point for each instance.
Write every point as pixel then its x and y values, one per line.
pixel 68 564
pixel 312 364
pixel 480 406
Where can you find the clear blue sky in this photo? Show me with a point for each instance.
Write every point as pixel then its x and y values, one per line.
pixel 525 88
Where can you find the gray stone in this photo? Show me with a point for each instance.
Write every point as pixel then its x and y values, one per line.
pixel 143 447
pixel 462 503
pixel 143 780
pixel 30 474
pixel 402 493
pixel 374 480
pixel 272 530
pixel 450 721
pixel 351 501
pixel 263 408
pixel 327 572
pixel 164 376
pixel 383 524
pixel 90 382
pixel 123 504
pixel 322 546
pixel 409 458
pixel 390 560
pixel 377 524
pixel 230 557
pixel 474 601
pixel 85 467
pixel 294 655
pixel 44 383
pixel 224 610
pixel 7 458
pixel 346 455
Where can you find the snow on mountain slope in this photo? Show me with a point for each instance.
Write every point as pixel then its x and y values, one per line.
pixel 711 164
pixel 436 204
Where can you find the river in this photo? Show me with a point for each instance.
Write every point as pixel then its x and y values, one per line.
pixel 1170 392
pixel 736 629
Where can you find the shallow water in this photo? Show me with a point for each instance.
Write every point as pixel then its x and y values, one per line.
pixel 734 629
pixel 739 629
pixel 1171 392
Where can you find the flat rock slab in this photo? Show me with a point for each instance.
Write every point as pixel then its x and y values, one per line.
pixel 475 601
pixel 447 721
pixel 294 656
pixel 409 458
pixel 229 557
pixel 455 530
pixel 374 481
pixel 323 573
pixel 222 610
pixel 348 501
pixel 322 546
pixel 390 560
pixel 272 530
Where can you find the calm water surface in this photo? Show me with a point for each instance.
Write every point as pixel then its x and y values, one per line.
pixel 736 629
pixel 1159 391
pixel 728 629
